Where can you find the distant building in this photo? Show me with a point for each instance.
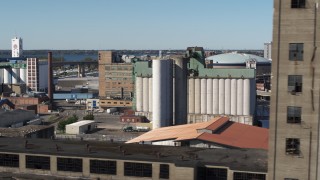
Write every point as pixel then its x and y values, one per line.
pixel 115 78
pixel 17 47
pixel 37 74
pixel 267 50
pixel 217 133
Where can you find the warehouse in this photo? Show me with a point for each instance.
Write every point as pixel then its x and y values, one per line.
pixel 80 127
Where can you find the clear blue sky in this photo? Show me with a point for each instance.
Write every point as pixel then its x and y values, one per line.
pixel 136 24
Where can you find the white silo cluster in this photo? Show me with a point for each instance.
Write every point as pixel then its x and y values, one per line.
pixel 210 96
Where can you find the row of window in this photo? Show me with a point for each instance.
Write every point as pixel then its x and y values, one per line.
pixel 205 173
pixel 75 165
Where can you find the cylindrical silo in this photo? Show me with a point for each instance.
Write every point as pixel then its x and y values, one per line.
pixel 150 94
pixel 203 96
pixel 215 96
pixel 23 76
pixel 139 95
pixel 197 96
pixel 145 94
pixel 181 90
pixel 233 97
pixel 162 109
pixel 15 75
pixel 191 95
pixel 1 76
pixel 173 100
pixel 209 96
pixel 239 97
pixel 221 96
pixel 227 96
pixel 7 76
pixel 246 97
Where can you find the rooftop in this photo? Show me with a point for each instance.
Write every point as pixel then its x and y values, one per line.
pixel 237 58
pixel 219 130
pixel 254 160
pixel 81 123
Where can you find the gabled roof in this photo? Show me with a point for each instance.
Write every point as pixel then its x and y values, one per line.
pixel 219 130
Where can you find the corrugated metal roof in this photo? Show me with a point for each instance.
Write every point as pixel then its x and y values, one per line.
pixel 81 123
pixel 236 58
pixel 225 132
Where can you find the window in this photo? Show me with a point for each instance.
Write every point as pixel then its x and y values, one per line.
pixel 69 164
pixel 295 84
pixel 103 167
pixel 293 114
pixel 9 160
pixel 164 171
pixel 293 146
pixel 38 162
pixel 298 3
pixel 204 173
pixel 296 51
pixel 290 179
pixel 137 169
pixel 245 176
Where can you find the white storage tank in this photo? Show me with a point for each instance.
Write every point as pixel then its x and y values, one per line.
pixel 23 75
pixel 221 96
pixel 145 94
pixel 240 97
pixel 209 96
pixel 7 76
pixel 197 96
pixel 139 95
pixel 191 95
pixel 246 97
pixel 203 96
pixel 15 75
pixel 215 96
pixel 150 94
pixel 227 96
pixel 233 100
pixel 162 108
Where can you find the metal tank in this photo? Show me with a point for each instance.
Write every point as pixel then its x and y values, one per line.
pixel 240 97
pixel 139 95
pixel 181 89
pixel 215 96
pixel 15 75
pixel 221 96
pixel 23 75
pixel 145 94
pixel 197 96
pixel 7 75
pixel 227 96
pixel 162 98
pixel 191 95
pixel 233 101
pixel 203 96
pixel 150 94
pixel 246 97
pixel 209 96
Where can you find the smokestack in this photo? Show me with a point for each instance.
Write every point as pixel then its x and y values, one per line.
pixel 50 85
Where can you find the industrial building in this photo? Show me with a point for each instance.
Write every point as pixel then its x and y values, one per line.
pixel 37 75
pixel 81 127
pixel 181 90
pixel 216 133
pixel 15 118
pixel 103 160
pixel 294 112
pixel 115 79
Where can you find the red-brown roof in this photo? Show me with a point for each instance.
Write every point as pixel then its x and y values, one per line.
pixel 225 133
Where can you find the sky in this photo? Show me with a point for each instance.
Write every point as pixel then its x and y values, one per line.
pixel 136 24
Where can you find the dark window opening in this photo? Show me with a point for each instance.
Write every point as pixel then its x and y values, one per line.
pixel 246 176
pixel 69 164
pixel 204 173
pixel 298 3
pixel 38 162
pixel 137 169
pixel 296 51
pixel 164 171
pixel 295 84
pixel 103 167
pixel 293 114
pixel 293 146
pixel 9 160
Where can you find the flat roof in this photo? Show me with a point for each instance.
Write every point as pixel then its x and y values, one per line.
pixel 81 123
pixel 254 160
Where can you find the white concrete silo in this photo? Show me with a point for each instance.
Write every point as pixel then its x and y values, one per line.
pixel 191 95
pixel 221 96
pixel 233 100
pixel 246 97
pixel 181 91
pixel 145 94
pixel 209 96
pixel 227 96
pixel 150 94
pixel 162 100
pixel 203 96
pixel 215 96
pixel 15 75
pixel 240 97
pixel 7 75
pixel 139 95
pixel 1 76
pixel 197 96
pixel 23 75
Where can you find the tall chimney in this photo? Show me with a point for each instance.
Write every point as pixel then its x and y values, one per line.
pixel 50 85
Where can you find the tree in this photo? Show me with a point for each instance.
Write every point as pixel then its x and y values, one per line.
pixel 62 124
pixel 89 117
